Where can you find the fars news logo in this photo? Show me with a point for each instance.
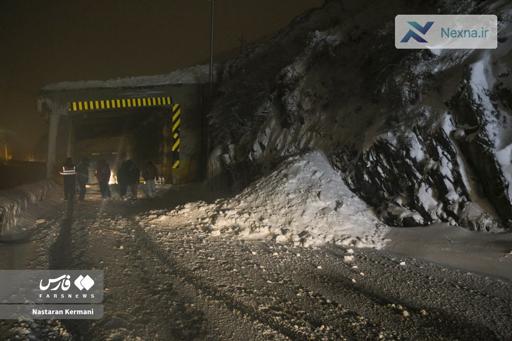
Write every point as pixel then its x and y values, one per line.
pixel 67 287
pixel 446 32
pixel 64 283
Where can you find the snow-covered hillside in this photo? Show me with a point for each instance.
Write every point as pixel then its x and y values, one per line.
pixel 303 202
pixel 422 136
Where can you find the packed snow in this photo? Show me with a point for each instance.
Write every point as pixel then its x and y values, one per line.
pixel 191 75
pixel 482 82
pixel 504 158
pixel 305 202
pixel 457 247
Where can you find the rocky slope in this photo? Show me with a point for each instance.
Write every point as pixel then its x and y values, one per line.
pixel 422 136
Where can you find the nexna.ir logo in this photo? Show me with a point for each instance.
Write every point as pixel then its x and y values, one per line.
pixel 446 31
pixel 413 33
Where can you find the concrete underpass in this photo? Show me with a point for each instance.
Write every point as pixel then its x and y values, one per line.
pixel 139 119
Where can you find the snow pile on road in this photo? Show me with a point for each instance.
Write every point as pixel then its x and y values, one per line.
pixel 13 202
pixel 304 202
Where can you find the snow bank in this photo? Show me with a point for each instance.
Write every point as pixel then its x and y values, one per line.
pixel 504 158
pixel 304 202
pixel 191 75
pixel 13 202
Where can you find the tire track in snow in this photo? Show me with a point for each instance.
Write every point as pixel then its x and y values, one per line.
pixel 217 294
pixel 342 319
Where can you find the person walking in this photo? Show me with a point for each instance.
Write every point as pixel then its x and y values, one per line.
pixel 133 178
pixel 69 174
pixel 103 176
pixel 128 178
pixel 122 179
pixel 149 174
pixel 83 177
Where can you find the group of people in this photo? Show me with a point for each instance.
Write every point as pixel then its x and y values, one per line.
pixel 128 177
pixel 75 176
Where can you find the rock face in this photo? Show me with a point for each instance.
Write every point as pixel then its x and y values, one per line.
pixel 422 136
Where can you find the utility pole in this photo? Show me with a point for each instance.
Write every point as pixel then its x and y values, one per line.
pixel 242 43
pixel 209 97
pixel 212 36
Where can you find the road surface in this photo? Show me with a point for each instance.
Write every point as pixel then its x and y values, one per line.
pixel 175 283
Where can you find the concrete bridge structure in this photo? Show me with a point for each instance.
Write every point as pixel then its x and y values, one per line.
pixel 158 118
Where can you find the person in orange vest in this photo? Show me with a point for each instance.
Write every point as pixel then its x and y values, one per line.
pixel 69 174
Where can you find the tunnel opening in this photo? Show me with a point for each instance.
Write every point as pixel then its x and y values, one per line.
pixel 139 134
pixel 158 118
pixel 141 129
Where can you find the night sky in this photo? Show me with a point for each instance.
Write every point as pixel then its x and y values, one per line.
pixel 47 41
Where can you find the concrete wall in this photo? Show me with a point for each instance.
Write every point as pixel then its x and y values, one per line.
pixel 16 173
pixel 191 155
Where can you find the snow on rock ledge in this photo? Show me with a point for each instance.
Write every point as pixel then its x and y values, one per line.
pixel 14 201
pixel 423 136
pixel 304 202
pixel 197 74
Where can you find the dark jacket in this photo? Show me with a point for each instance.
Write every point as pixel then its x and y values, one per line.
pixel 103 172
pixel 69 173
pixel 128 173
pixel 82 171
pixel 149 172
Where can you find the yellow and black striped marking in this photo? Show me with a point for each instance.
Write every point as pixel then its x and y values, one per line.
pixel 139 102
pixel 175 135
pixel 120 103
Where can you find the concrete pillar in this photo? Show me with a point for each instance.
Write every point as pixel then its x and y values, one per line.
pixel 52 143
pixel 166 170
pixel 71 139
